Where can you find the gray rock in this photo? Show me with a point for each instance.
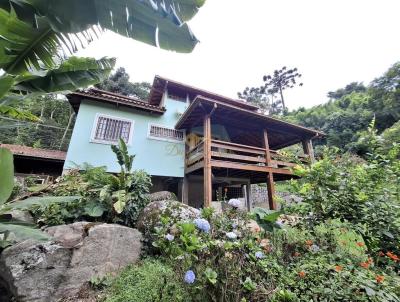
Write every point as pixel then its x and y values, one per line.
pixel 70 235
pixel 162 195
pixel 23 216
pixel 49 271
pixel 173 209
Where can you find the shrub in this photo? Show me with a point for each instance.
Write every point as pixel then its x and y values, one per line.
pixel 363 193
pixel 149 281
pixel 104 196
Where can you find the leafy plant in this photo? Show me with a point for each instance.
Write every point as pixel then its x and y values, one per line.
pixel 267 219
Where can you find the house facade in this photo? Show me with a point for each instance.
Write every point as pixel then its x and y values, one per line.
pixel 195 143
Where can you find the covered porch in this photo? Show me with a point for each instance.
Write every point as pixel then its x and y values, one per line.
pixel 226 142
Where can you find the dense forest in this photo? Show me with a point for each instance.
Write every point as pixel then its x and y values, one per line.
pixel 57 117
pixel 350 110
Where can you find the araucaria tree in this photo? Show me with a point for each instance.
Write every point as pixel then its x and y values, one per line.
pixel 280 80
pixel 269 97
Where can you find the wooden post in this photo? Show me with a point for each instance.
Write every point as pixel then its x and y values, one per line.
pixel 266 146
pixel 270 176
pixel 248 196
pixel 308 149
pixel 271 191
pixel 185 190
pixel 207 161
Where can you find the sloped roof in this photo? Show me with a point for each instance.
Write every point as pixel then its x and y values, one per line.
pixel 75 99
pixel 35 152
pixel 161 83
pixel 245 125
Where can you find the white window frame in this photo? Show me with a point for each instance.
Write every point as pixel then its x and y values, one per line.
pixel 167 139
pixel 106 142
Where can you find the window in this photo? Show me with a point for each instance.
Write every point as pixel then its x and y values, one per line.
pixel 165 133
pixel 109 130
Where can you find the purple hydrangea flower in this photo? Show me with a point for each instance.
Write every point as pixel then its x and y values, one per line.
pixel 234 203
pixel 259 255
pixel 169 237
pixel 189 277
pixel 202 224
pixel 231 235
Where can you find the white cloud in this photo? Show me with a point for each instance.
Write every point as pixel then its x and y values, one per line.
pixel 331 42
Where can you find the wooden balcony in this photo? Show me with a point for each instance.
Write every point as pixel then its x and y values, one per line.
pixel 240 157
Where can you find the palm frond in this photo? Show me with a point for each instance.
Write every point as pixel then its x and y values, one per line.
pixel 24 47
pixel 18 114
pixel 6 174
pixel 38 201
pixel 155 22
pixel 23 232
pixel 72 74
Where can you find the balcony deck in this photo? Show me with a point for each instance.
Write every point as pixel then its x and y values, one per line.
pixel 241 160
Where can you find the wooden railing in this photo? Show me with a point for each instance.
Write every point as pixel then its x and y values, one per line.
pixel 223 151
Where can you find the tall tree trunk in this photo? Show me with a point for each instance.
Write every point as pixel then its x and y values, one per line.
pixel 283 101
pixel 41 112
pixel 66 129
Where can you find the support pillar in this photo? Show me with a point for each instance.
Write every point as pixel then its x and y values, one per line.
pixel 270 175
pixel 207 161
pixel 308 150
pixel 185 190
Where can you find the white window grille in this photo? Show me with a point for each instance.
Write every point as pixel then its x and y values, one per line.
pixel 165 133
pixel 110 129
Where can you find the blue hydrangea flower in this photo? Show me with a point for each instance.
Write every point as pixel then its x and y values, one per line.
pixel 169 237
pixel 189 277
pixel 314 248
pixel 259 255
pixel 234 203
pixel 231 235
pixel 202 224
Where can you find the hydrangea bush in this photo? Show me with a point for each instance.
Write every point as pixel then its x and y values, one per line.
pixel 219 258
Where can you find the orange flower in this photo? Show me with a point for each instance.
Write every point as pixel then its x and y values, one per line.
pixel 381 254
pixel 226 190
pixel 360 244
pixel 302 274
pixel 338 268
pixel 370 261
pixel 364 264
pixel 309 242
pixel 296 254
pixel 393 256
pixel 379 278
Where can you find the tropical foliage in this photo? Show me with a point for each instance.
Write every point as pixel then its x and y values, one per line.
pixel 347 115
pixel 102 196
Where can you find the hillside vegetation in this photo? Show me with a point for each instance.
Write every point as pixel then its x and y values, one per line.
pixel 351 109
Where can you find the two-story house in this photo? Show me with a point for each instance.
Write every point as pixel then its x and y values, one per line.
pixel 193 142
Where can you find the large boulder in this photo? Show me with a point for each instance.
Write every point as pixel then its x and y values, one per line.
pixel 162 195
pixel 175 210
pixel 49 271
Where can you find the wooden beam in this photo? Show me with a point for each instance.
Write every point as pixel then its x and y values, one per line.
pixel 266 146
pixel 271 191
pixel 308 149
pixel 240 166
pixel 207 161
pixel 237 156
pixel 196 166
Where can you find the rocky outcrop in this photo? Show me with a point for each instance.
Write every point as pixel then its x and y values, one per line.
pixel 48 271
pixel 172 209
pixel 162 195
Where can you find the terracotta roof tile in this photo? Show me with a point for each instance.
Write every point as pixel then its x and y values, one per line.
pixel 35 152
pixel 109 97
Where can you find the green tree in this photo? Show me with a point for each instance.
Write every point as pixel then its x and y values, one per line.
pixel 118 82
pixel 269 97
pixel 348 89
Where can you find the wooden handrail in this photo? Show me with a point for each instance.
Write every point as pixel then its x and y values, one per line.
pixel 236 145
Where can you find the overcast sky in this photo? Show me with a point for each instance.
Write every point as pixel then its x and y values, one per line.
pixel 331 42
